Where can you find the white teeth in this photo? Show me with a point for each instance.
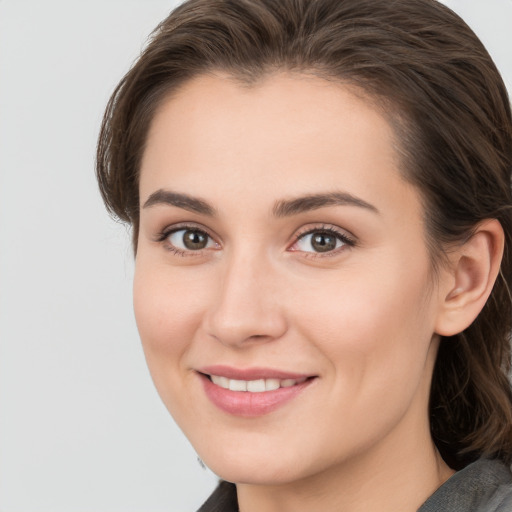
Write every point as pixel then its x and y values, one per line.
pixel 254 386
pixel 271 384
pixel 223 382
pixel 237 385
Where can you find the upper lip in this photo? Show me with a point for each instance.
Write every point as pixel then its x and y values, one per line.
pixel 254 373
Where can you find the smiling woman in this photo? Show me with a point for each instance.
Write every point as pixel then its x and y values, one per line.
pixel 322 217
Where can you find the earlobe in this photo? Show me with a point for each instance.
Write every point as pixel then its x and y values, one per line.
pixel 475 267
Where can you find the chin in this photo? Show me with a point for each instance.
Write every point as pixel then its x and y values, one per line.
pixel 241 463
pixel 254 472
pixel 260 465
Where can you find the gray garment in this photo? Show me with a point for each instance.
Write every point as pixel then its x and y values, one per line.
pixel 484 486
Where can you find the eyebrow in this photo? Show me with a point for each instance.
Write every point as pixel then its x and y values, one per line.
pixel 302 204
pixel 282 208
pixel 184 201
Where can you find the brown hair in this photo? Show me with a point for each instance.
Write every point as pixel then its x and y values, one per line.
pixel 449 108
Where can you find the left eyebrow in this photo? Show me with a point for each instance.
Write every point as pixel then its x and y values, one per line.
pixel 285 208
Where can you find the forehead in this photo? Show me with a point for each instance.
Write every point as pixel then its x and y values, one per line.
pixel 287 133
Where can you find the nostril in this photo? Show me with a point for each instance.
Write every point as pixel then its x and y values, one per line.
pixel 258 336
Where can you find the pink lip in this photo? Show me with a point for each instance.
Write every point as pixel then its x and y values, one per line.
pixel 250 373
pixel 245 403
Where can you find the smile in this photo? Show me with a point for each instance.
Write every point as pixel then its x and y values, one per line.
pixel 253 392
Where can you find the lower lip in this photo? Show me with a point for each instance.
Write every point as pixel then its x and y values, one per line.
pixel 247 404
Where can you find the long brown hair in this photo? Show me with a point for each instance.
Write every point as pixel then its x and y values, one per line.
pixel 439 88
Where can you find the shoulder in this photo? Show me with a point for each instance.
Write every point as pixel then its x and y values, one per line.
pixel 484 486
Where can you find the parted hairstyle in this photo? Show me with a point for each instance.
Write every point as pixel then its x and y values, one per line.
pixel 425 69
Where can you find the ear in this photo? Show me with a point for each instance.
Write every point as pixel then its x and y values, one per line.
pixel 466 287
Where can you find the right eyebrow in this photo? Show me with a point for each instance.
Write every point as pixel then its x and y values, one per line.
pixel 184 201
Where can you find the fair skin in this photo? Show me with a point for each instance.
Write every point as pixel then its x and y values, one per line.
pixel 231 274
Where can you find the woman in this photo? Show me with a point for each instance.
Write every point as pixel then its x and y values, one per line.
pixel 321 207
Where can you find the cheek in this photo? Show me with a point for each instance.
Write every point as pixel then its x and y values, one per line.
pixel 374 327
pixel 375 336
pixel 168 309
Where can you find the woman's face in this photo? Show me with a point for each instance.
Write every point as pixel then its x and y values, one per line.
pixel 281 255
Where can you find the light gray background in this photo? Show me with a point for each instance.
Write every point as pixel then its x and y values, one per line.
pixel 81 427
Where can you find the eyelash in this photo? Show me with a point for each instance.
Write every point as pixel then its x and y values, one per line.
pixel 347 240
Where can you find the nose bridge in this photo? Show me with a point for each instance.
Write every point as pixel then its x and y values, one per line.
pixel 246 306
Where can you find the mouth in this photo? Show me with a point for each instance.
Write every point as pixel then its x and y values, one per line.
pixel 262 391
pixel 255 386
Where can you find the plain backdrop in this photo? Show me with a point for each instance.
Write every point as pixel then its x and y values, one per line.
pixel 81 426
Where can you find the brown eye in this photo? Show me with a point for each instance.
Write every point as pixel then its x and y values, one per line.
pixel 195 240
pixel 190 240
pixel 323 242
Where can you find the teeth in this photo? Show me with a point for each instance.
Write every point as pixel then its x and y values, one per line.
pixel 237 385
pixel 254 386
pixel 271 384
pixel 223 382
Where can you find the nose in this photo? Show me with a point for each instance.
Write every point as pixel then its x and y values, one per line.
pixel 246 306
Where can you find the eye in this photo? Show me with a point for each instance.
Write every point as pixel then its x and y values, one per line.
pixel 189 239
pixel 324 240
